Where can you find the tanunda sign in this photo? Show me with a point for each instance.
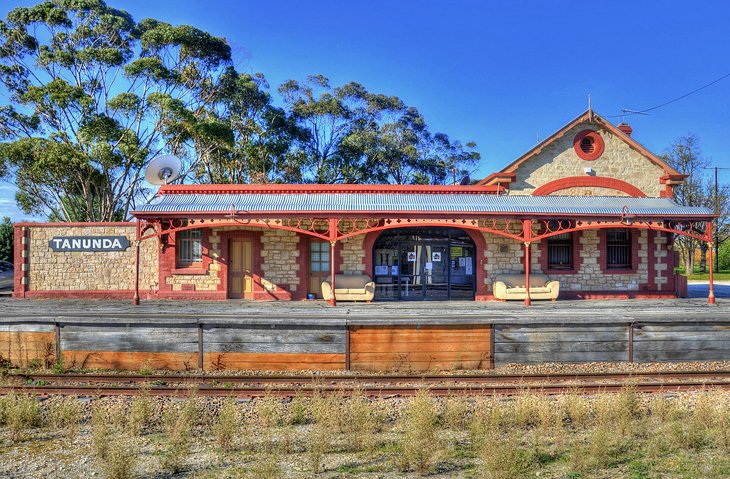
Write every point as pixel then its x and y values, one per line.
pixel 89 243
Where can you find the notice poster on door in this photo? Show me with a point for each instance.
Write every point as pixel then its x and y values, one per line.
pixel 462 262
pixel 468 265
pixel 394 270
pixel 429 265
pixel 381 270
pixel 436 257
pixel 412 256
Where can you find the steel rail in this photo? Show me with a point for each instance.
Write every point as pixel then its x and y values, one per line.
pixel 365 378
pixel 380 391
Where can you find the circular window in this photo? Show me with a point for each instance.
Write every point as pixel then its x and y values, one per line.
pixel 588 145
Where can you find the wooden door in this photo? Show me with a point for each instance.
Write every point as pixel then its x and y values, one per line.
pixel 240 266
pixel 319 265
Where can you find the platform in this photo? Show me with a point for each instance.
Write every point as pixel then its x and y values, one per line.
pixel 311 335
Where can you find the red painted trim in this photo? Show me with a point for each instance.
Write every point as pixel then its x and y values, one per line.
pixel 650 262
pixel 197 295
pixel 480 246
pixel 368 244
pixel 19 288
pixel 602 256
pixel 318 189
pixel 410 214
pixel 588 181
pixel 303 262
pixel 89 223
pixel 189 271
pixel 600 295
pixel 598 144
pixel 81 293
pixel 577 258
pixel 500 179
pixel 167 260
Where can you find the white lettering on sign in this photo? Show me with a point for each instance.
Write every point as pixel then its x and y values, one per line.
pixel 89 243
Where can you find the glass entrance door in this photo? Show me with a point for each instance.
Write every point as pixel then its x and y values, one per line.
pixel 410 281
pixel 424 264
pixel 436 272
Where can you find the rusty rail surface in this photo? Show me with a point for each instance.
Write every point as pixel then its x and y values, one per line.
pixel 365 378
pixel 369 385
pixel 380 391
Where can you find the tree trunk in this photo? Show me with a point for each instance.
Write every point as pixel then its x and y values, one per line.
pixel 703 257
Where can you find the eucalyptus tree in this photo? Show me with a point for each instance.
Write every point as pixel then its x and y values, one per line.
pixel 355 136
pixel 93 96
pixel 256 144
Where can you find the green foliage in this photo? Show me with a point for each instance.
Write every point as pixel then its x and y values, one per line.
pixel 6 240
pixel 354 136
pixel 75 145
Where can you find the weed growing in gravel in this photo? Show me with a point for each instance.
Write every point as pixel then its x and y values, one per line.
pixel 178 423
pixel 267 466
pixel 114 451
pixel 297 411
pixel 21 414
pixel 318 442
pixel 119 458
pixel 505 458
pixel 141 410
pixel 361 422
pixel 65 413
pixel 420 445
pixel 269 411
pixel 456 414
pixel 225 428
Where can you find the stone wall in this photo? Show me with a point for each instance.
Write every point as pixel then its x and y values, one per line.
pixel 89 271
pixel 352 254
pixel 280 260
pixel 559 160
pixel 588 191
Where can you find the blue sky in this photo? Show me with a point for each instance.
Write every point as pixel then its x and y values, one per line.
pixel 498 73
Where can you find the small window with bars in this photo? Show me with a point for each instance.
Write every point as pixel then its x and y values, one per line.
pixel 560 251
pixel 618 249
pixel 189 247
pixel 319 257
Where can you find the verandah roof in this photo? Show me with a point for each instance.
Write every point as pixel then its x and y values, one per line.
pixel 416 203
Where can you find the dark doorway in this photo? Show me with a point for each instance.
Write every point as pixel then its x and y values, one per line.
pixel 424 264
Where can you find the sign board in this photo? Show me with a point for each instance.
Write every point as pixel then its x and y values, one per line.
pixel 436 256
pixel 456 251
pixel 89 243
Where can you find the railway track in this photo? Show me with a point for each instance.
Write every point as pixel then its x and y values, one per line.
pixel 370 385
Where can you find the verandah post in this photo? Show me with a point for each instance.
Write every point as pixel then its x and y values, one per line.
pixel 138 236
pixel 527 235
pixel 333 241
pixel 708 234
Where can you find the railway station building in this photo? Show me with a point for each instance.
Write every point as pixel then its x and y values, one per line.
pixel 586 213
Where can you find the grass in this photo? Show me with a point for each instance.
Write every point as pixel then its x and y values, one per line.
pixel 530 435
pixel 697 275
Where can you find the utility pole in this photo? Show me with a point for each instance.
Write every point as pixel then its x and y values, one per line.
pixel 717 212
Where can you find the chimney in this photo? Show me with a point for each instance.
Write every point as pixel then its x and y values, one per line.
pixel 626 128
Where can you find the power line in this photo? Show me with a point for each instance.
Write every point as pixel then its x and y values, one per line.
pixel 671 101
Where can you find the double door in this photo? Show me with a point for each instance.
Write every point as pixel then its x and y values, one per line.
pixel 435 270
